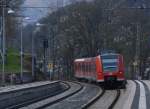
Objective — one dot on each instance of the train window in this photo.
(109, 62)
(90, 67)
(79, 67)
(76, 67)
(86, 67)
(93, 67)
(109, 56)
(82, 66)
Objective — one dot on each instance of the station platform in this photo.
(10, 96)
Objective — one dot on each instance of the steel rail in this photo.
(38, 99)
(99, 96)
(115, 100)
(63, 98)
(93, 100)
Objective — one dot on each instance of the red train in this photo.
(104, 68)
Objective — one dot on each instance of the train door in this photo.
(99, 69)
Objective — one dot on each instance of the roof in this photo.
(109, 54)
(84, 59)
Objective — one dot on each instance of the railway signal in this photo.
(45, 43)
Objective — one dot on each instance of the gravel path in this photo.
(105, 101)
(77, 100)
(127, 96)
(147, 82)
(147, 89)
(23, 86)
(125, 99)
(73, 88)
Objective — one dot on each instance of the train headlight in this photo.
(120, 72)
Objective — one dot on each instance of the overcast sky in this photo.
(37, 13)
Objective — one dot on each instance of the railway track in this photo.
(99, 95)
(115, 100)
(71, 102)
(74, 87)
(64, 97)
(103, 98)
(75, 98)
(39, 99)
(76, 101)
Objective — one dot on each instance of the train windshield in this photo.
(110, 63)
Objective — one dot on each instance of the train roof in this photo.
(84, 59)
(109, 54)
(92, 58)
(107, 51)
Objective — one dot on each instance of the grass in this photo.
(13, 61)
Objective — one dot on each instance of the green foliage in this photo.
(13, 61)
(84, 29)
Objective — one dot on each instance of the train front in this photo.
(112, 68)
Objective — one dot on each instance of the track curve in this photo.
(38, 99)
(106, 101)
(78, 100)
(115, 100)
(74, 88)
(58, 100)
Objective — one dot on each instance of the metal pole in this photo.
(49, 51)
(44, 59)
(21, 51)
(53, 44)
(33, 56)
(139, 43)
(3, 69)
(1, 26)
(137, 56)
